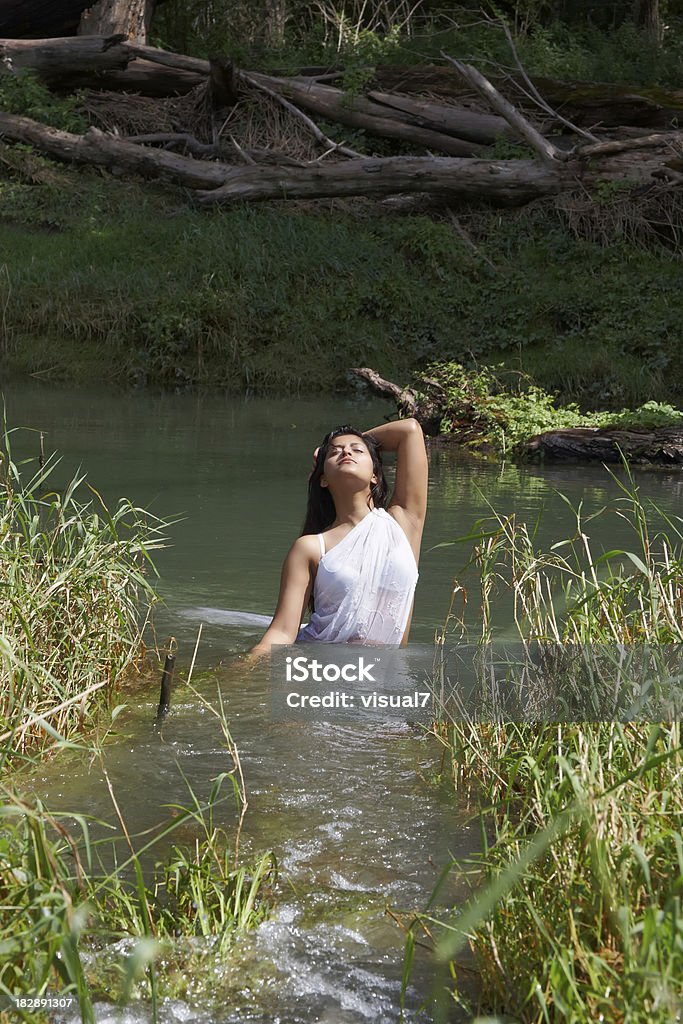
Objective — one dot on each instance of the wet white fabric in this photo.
(364, 586)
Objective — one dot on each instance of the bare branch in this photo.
(548, 153)
(534, 94)
(621, 145)
(311, 125)
(462, 234)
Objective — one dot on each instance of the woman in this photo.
(355, 564)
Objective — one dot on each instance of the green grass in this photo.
(106, 279)
(576, 909)
(73, 604)
(69, 926)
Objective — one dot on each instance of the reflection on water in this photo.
(353, 814)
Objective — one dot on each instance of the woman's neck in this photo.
(352, 508)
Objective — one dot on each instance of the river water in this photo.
(358, 816)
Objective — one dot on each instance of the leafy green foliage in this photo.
(173, 930)
(23, 94)
(494, 408)
(561, 41)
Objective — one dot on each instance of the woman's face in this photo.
(348, 459)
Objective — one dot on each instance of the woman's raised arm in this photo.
(405, 437)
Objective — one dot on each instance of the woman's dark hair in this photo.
(320, 512)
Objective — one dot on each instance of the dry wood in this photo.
(165, 58)
(621, 146)
(404, 397)
(146, 77)
(457, 121)
(101, 149)
(548, 153)
(427, 411)
(507, 182)
(54, 60)
(663, 446)
(311, 125)
(359, 112)
(131, 18)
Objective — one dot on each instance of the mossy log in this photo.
(661, 446)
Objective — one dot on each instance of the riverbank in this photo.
(101, 279)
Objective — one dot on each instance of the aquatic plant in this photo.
(575, 913)
(72, 602)
(163, 934)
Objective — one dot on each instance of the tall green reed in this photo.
(93, 917)
(72, 585)
(577, 910)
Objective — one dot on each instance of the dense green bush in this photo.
(24, 95)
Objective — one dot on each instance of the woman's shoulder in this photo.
(307, 546)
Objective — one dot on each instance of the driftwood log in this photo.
(662, 446)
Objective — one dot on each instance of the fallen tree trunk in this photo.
(54, 60)
(504, 182)
(507, 182)
(660, 446)
(663, 446)
(465, 124)
(359, 112)
(104, 150)
(585, 103)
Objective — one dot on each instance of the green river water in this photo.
(355, 814)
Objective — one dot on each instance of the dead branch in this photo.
(404, 397)
(177, 61)
(548, 153)
(622, 146)
(359, 112)
(464, 124)
(311, 125)
(533, 92)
